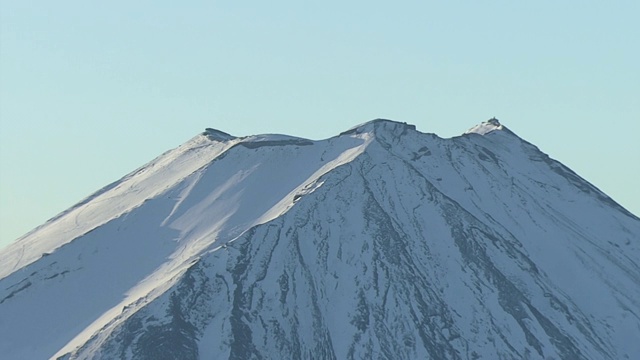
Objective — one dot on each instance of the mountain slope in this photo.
(382, 242)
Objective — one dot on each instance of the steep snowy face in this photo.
(132, 239)
(382, 242)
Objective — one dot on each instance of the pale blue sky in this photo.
(91, 90)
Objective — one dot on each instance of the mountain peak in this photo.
(375, 125)
(241, 247)
(486, 127)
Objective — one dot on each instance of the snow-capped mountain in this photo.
(380, 243)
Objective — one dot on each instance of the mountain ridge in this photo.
(392, 239)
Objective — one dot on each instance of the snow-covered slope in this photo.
(382, 242)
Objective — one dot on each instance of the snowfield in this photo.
(380, 243)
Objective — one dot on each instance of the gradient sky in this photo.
(91, 90)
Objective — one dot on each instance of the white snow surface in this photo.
(485, 127)
(380, 242)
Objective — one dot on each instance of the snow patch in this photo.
(486, 127)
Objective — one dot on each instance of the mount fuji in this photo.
(379, 243)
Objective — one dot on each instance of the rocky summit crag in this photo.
(380, 243)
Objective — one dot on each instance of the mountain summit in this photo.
(379, 243)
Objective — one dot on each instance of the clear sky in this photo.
(90, 90)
